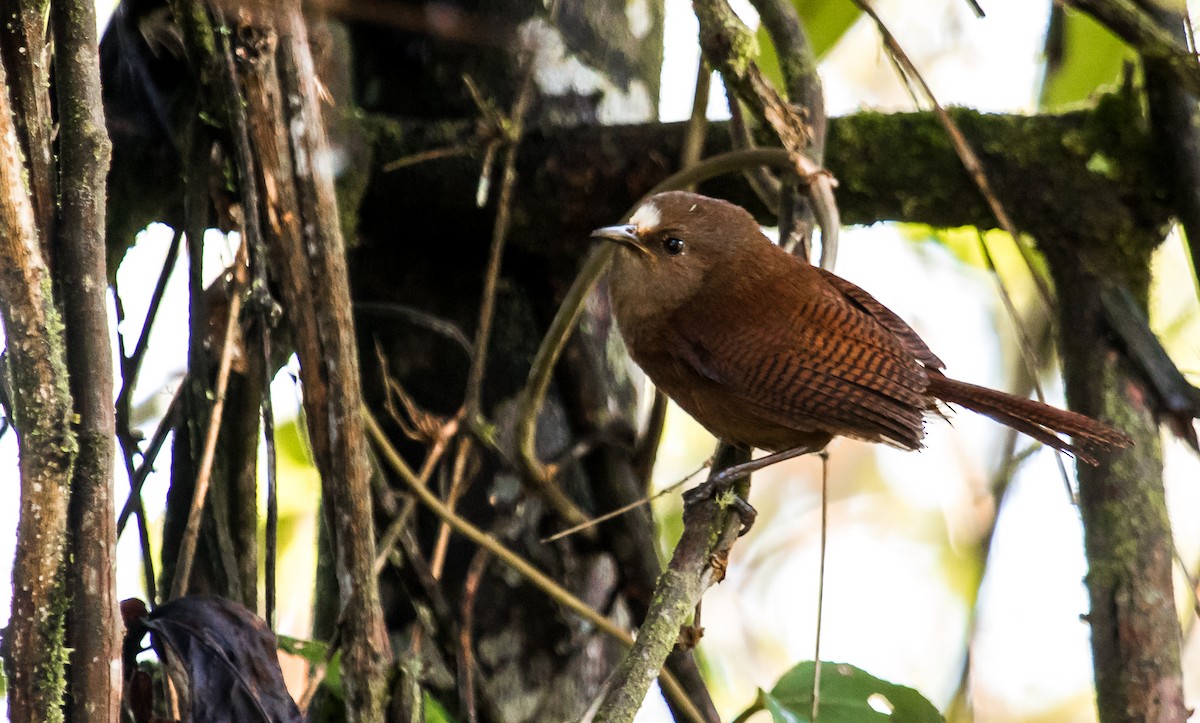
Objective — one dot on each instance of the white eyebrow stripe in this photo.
(646, 218)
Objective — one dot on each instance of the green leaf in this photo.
(780, 714)
(314, 651)
(848, 695)
(435, 712)
(825, 22)
(1092, 60)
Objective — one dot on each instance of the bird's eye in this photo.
(673, 246)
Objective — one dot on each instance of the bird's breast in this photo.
(666, 358)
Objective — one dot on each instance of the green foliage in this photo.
(964, 244)
(329, 704)
(825, 22)
(848, 695)
(1092, 60)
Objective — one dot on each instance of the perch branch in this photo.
(698, 561)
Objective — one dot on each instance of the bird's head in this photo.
(673, 241)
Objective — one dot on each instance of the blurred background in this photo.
(928, 565)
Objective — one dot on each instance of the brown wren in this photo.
(766, 350)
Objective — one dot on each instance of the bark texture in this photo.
(1127, 536)
(93, 628)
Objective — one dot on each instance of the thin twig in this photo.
(624, 508)
(434, 615)
(438, 559)
(816, 690)
(693, 138)
(131, 366)
(466, 655)
(441, 441)
(479, 537)
(764, 184)
(1028, 354)
(1174, 126)
(645, 451)
(430, 155)
(138, 477)
(1000, 486)
(798, 64)
(508, 181)
(187, 547)
(418, 317)
(1192, 586)
(268, 431)
(133, 503)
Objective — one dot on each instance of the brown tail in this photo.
(1042, 422)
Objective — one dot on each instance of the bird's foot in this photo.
(719, 487)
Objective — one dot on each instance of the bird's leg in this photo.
(723, 481)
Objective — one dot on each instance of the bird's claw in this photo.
(719, 486)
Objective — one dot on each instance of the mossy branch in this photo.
(34, 649)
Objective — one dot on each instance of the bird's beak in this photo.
(625, 235)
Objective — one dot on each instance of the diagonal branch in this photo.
(799, 66)
(709, 530)
(1139, 28)
(728, 45)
